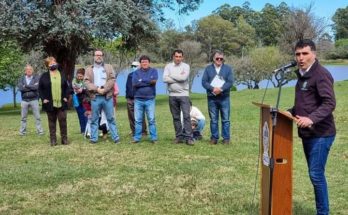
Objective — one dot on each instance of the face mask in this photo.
(134, 68)
(53, 67)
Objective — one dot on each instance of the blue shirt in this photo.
(99, 75)
(142, 86)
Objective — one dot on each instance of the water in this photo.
(339, 73)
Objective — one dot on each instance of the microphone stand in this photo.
(279, 76)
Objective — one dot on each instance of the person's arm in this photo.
(183, 75)
(228, 80)
(154, 77)
(111, 79)
(90, 86)
(166, 76)
(327, 96)
(205, 80)
(139, 81)
(21, 85)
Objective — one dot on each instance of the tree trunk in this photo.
(14, 93)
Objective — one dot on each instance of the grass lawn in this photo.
(105, 178)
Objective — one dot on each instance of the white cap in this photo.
(135, 63)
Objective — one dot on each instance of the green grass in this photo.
(82, 178)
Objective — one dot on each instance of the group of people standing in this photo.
(314, 104)
(94, 93)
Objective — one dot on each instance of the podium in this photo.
(276, 161)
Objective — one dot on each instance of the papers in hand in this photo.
(217, 81)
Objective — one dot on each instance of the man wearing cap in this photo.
(130, 100)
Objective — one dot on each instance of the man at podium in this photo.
(314, 104)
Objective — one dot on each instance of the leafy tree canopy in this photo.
(340, 19)
(65, 28)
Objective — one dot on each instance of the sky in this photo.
(321, 8)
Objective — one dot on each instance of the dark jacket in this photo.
(315, 98)
(45, 91)
(225, 73)
(129, 86)
(29, 91)
(142, 86)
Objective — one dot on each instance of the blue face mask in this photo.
(134, 68)
(53, 67)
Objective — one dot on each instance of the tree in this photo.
(65, 29)
(340, 18)
(258, 65)
(193, 56)
(10, 67)
(301, 24)
(216, 33)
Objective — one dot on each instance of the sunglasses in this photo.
(133, 66)
(219, 59)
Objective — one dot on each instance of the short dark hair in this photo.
(144, 57)
(80, 71)
(305, 42)
(179, 51)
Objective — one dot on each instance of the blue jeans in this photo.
(147, 106)
(200, 125)
(219, 105)
(97, 104)
(82, 118)
(316, 151)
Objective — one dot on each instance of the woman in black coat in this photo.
(54, 93)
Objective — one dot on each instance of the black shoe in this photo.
(213, 141)
(154, 141)
(226, 142)
(134, 142)
(178, 141)
(117, 141)
(190, 142)
(92, 142)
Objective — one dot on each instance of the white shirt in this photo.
(217, 69)
(302, 72)
(28, 79)
(195, 113)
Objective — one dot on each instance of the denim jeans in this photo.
(25, 105)
(219, 105)
(316, 151)
(97, 104)
(200, 125)
(147, 106)
(178, 105)
(82, 118)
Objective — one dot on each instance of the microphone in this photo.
(287, 66)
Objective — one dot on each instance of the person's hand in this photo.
(153, 82)
(78, 90)
(217, 90)
(64, 99)
(87, 113)
(303, 122)
(100, 91)
(45, 101)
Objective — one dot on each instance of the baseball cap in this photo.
(135, 64)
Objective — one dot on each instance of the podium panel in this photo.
(276, 162)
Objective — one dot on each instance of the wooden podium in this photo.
(276, 161)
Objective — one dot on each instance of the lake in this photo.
(339, 73)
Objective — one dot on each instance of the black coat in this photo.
(45, 91)
(315, 98)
